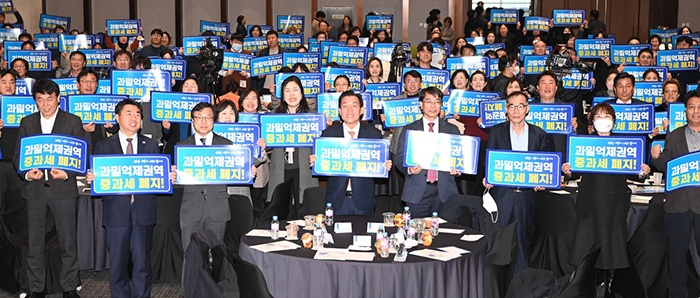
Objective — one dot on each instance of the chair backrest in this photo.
(501, 252)
(279, 206)
(582, 282)
(314, 201)
(251, 281)
(241, 222)
(205, 278)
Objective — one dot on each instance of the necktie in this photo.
(352, 136)
(432, 174)
(204, 141)
(130, 150)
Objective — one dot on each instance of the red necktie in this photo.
(432, 174)
(352, 136)
(130, 150)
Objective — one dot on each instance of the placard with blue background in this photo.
(123, 28)
(11, 34)
(98, 57)
(241, 134)
(286, 21)
(466, 103)
(431, 77)
(68, 86)
(537, 24)
(664, 34)
(659, 118)
(51, 21)
(469, 64)
(192, 44)
(638, 72)
(593, 48)
(38, 60)
(226, 165)
(535, 65)
(383, 51)
(326, 47)
(327, 104)
(626, 53)
(72, 43)
(523, 168)
(290, 41)
(120, 174)
(11, 46)
(175, 107)
(577, 80)
(6, 6)
(50, 40)
(94, 108)
(568, 17)
(354, 74)
(176, 67)
(266, 65)
(441, 151)
(609, 155)
(253, 118)
(683, 171)
(552, 118)
(24, 86)
(685, 59)
(312, 82)
(651, 92)
(219, 29)
(291, 130)
(311, 60)
(351, 157)
(254, 44)
(492, 112)
(504, 16)
(379, 22)
(14, 108)
(138, 84)
(676, 116)
(382, 92)
(104, 87)
(53, 151)
(399, 112)
(633, 119)
(493, 68)
(347, 56)
(236, 61)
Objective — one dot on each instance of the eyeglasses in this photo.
(432, 102)
(519, 107)
(203, 118)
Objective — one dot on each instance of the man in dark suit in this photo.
(515, 203)
(8, 138)
(623, 85)
(351, 195)
(262, 83)
(55, 191)
(128, 219)
(682, 205)
(425, 190)
(204, 206)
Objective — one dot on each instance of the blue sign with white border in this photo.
(441, 151)
(94, 108)
(226, 165)
(351, 157)
(608, 155)
(175, 107)
(53, 151)
(523, 168)
(132, 174)
(291, 130)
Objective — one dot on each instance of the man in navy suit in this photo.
(128, 219)
(351, 195)
(515, 203)
(425, 190)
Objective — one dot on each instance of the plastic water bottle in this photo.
(406, 216)
(329, 214)
(435, 224)
(275, 227)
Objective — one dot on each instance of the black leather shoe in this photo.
(71, 294)
(36, 295)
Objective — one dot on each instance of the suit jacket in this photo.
(680, 200)
(362, 187)
(66, 124)
(116, 209)
(197, 197)
(634, 101)
(414, 186)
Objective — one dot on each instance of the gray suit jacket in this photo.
(196, 198)
(680, 200)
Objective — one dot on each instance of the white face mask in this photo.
(516, 70)
(603, 125)
(237, 47)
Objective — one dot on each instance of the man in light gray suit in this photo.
(204, 206)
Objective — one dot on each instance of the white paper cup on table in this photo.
(657, 178)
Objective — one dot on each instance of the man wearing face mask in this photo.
(241, 77)
(509, 67)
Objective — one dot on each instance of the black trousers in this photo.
(678, 229)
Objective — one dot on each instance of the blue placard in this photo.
(651, 92)
(99, 38)
(291, 130)
(175, 107)
(382, 92)
(14, 108)
(104, 87)
(327, 104)
(24, 86)
(504, 16)
(535, 65)
(98, 57)
(441, 151)
(482, 49)
(608, 155)
(537, 24)
(599, 99)
(192, 44)
(286, 21)
(50, 40)
(263, 29)
(626, 53)
(11, 46)
(593, 48)
(347, 56)
(383, 51)
(10, 33)
(466, 103)
(493, 68)
(379, 23)
(431, 77)
(523, 168)
(226, 165)
(52, 151)
(50, 22)
(530, 50)
(245, 135)
(355, 75)
(690, 87)
(685, 59)
(470, 64)
(683, 171)
(68, 86)
(94, 108)
(266, 65)
(659, 118)
(132, 174)
(664, 34)
(552, 118)
(399, 112)
(638, 72)
(6, 6)
(253, 118)
(138, 84)
(72, 43)
(326, 46)
(123, 28)
(568, 18)
(315, 47)
(633, 119)
(176, 67)
(661, 143)
(38, 60)
(694, 36)
(312, 82)
(351, 157)
(237, 61)
(492, 112)
(254, 44)
(290, 41)
(577, 80)
(219, 29)
(676, 116)
(311, 60)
